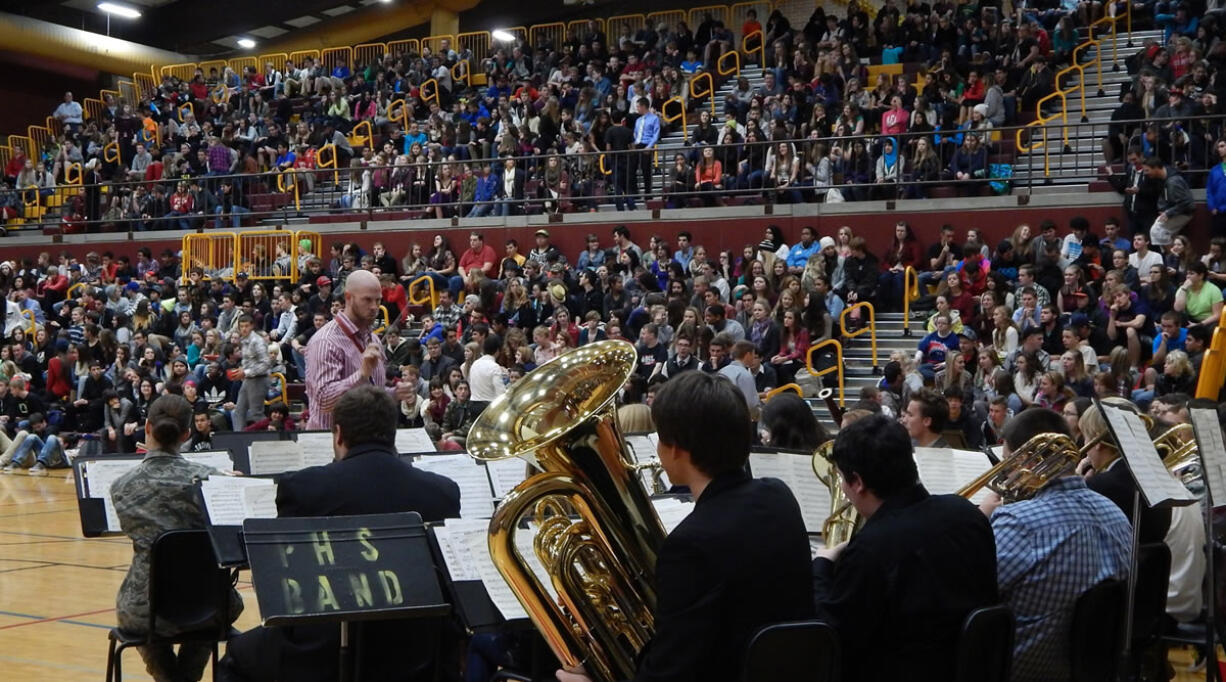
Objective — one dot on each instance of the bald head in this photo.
(362, 297)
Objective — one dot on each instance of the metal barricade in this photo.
(316, 247)
(369, 53)
(397, 48)
(722, 68)
(267, 255)
(332, 57)
(548, 34)
(212, 252)
(286, 183)
(624, 23)
(184, 72)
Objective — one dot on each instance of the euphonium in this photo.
(844, 520)
(597, 533)
(1180, 453)
(1023, 473)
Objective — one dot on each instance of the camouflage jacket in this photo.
(157, 496)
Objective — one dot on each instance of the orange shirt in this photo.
(713, 173)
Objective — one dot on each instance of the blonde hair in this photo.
(1093, 424)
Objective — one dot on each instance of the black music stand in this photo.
(1213, 474)
(92, 510)
(476, 611)
(343, 569)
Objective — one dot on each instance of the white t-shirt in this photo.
(486, 379)
(1143, 265)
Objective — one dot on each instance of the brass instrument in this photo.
(598, 534)
(832, 404)
(844, 520)
(1180, 454)
(1023, 473)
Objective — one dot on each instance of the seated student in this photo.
(39, 450)
(366, 478)
(1065, 530)
(900, 589)
(925, 417)
(278, 419)
(710, 605)
(157, 496)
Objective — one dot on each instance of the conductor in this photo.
(345, 352)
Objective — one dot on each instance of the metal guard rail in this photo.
(910, 292)
(871, 327)
(431, 296)
(837, 367)
(284, 389)
(794, 388)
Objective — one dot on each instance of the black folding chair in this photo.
(985, 649)
(1149, 608)
(188, 590)
(802, 650)
(1096, 638)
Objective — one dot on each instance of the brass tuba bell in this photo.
(1181, 454)
(597, 534)
(844, 520)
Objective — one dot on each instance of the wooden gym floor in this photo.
(57, 589)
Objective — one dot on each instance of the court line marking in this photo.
(63, 619)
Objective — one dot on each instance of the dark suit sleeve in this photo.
(291, 498)
(849, 594)
(688, 616)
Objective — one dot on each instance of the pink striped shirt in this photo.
(334, 365)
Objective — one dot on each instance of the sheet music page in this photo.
(500, 593)
(505, 474)
(642, 447)
(260, 501)
(1212, 452)
(476, 497)
(275, 457)
(99, 475)
(223, 498)
(999, 451)
(413, 440)
(1156, 483)
(797, 472)
(524, 539)
(453, 541)
(672, 512)
(944, 471)
(218, 459)
(316, 449)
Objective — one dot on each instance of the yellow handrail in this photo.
(383, 315)
(293, 181)
(359, 139)
(110, 153)
(29, 314)
(399, 111)
(795, 388)
(709, 91)
(431, 295)
(284, 389)
(838, 363)
(600, 163)
(1098, 60)
(871, 327)
(188, 107)
(909, 275)
(70, 178)
(1042, 121)
(330, 162)
(685, 132)
(38, 198)
(464, 74)
(433, 95)
(1115, 22)
(73, 289)
(760, 49)
(736, 68)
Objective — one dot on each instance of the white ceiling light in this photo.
(246, 43)
(502, 36)
(119, 10)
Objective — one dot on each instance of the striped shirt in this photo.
(334, 365)
(1049, 550)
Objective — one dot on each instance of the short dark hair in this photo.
(933, 406)
(1153, 162)
(706, 416)
(791, 423)
(366, 414)
(1200, 333)
(492, 344)
(878, 450)
(1032, 422)
(717, 310)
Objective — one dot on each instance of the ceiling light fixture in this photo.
(246, 43)
(119, 10)
(502, 36)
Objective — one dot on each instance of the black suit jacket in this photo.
(370, 480)
(903, 585)
(740, 561)
(1116, 484)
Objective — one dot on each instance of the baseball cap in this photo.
(322, 281)
(541, 233)
(241, 275)
(969, 334)
(132, 286)
(1079, 320)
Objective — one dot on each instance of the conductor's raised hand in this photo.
(370, 359)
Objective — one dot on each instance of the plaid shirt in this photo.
(448, 317)
(1049, 550)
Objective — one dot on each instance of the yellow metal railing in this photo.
(668, 119)
(760, 49)
(260, 252)
(398, 111)
(710, 91)
(110, 153)
(461, 72)
(293, 186)
(870, 328)
(329, 162)
(734, 70)
(836, 368)
(910, 292)
(212, 252)
(794, 388)
(1040, 123)
(30, 329)
(362, 135)
(284, 389)
(429, 96)
(1213, 367)
(1115, 23)
(423, 283)
(73, 174)
(384, 321)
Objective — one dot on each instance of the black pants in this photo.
(643, 161)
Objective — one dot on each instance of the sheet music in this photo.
(260, 501)
(797, 472)
(505, 474)
(672, 512)
(218, 459)
(224, 498)
(944, 471)
(476, 497)
(413, 440)
(99, 475)
(453, 542)
(1156, 483)
(275, 457)
(643, 447)
(1212, 453)
(500, 593)
(316, 448)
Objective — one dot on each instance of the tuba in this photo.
(597, 535)
(1023, 473)
(844, 520)
(1180, 454)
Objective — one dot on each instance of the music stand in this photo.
(1213, 473)
(343, 569)
(92, 509)
(1154, 482)
(238, 442)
